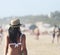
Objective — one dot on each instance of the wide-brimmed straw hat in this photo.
(15, 23)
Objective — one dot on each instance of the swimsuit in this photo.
(15, 44)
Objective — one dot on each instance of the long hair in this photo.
(14, 33)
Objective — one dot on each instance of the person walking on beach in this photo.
(37, 33)
(54, 33)
(58, 35)
(15, 41)
(53, 36)
(1, 34)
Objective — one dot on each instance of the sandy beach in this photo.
(43, 46)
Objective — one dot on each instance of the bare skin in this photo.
(12, 50)
(37, 33)
(54, 33)
(58, 36)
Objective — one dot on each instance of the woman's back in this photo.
(14, 44)
(14, 48)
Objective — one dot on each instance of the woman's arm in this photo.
(6, 46)
(24, 49)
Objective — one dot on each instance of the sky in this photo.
(27, 7)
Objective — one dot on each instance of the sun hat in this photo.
(15, 23)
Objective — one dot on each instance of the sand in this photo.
(43, 46)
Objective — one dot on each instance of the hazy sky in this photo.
(27, 7)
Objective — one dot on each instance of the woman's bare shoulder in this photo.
(23, 36)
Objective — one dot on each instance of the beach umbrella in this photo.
(32, 27)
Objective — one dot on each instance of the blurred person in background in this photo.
(54, 33)
(58, 34)
(37, 33)
(1, 33)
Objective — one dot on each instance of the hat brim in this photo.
(18, 25)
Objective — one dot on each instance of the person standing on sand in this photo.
(58, 35)
(1, 34)
(54, 33)
(37, 33)
(15, 41)
(53, 36)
